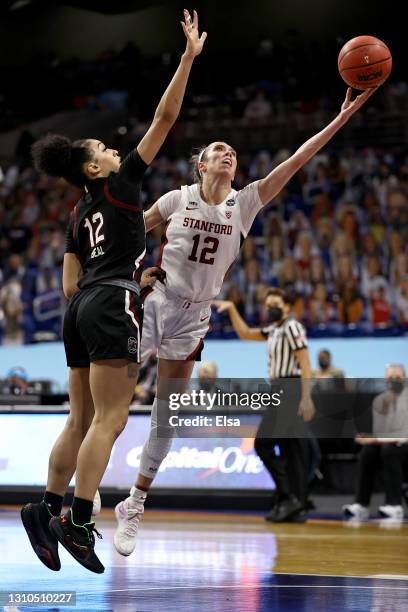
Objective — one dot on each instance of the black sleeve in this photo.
(71, 245)
(123, 189)
(132, 168)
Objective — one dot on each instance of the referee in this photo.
(290, 372)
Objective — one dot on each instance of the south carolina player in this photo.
(205, 225)
(103, 321)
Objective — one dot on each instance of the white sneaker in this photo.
(394, 512)
(128, 513)
(96, 508)
(356, 511)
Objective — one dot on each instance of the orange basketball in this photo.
(364, 61)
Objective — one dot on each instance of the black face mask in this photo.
(324, 364)
(396, 386)
(275, 314)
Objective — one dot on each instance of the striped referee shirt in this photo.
(284, 340)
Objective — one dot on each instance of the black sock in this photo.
(54, 502)
(81, 511)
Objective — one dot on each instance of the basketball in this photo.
(364, 61)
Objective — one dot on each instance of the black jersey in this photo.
(106, 229)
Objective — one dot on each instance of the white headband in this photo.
(200, 157)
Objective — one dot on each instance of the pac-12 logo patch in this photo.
(230, 202)
(228, 214)
(132, 345)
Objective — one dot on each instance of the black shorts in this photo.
(102, 323)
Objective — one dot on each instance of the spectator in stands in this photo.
(395, 244)
(318, 273)
(369, 247)
(258, 110)
(16, 382)
(11, 312)
(14, 268)
(398, 269)
(372, 279)
(274, 254)
(320, 309)
(385, 448)
(344, 273)
(348, 222)
(350, 307)
(303, 252)
(402, 302)
(289, 275)
(341, 246)
(326, 369)
(324, 239)
(380, 309)
(397, 216)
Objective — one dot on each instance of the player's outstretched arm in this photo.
(243, 331)
(170, 104)
(272, 184)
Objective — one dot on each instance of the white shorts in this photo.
(173, 328)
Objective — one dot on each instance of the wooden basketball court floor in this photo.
(219, 562)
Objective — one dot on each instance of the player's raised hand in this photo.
(349, 106)
(195, 42)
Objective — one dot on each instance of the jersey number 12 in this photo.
(208, 250)
(96, 237)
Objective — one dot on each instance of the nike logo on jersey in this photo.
(204, 318)
(96, 252)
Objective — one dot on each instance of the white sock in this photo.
(137, 497)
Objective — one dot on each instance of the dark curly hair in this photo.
(57, 155)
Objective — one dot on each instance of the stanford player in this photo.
(205, 225)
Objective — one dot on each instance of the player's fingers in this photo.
(349, 94)
(195, 19)
(203, 37)
(183, 25)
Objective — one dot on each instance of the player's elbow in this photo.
(165, 118)
(69, 290)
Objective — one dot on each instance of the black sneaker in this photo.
(36, 518)
(78, 540)
(286, 509)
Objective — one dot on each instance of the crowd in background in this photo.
(336, 238)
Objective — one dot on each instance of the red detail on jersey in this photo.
(118, 203)
(196, 351)
(228, 214)
(145, 292)
(75, 221)
(164, 241)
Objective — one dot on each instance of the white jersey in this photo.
(200, 242)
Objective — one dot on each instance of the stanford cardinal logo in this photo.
(228, 214)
